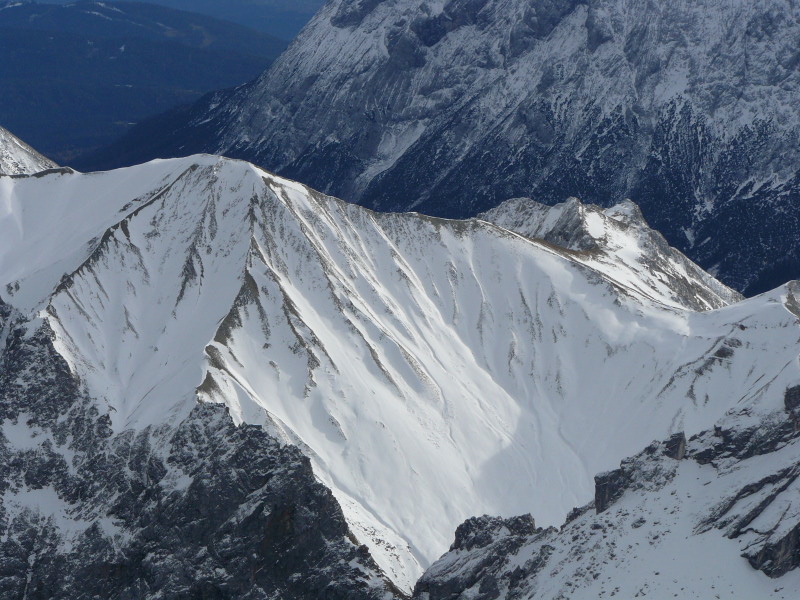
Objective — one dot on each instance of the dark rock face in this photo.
(608, 487)
(199, 510)
(776, 551)
(778, 558)
(611, 485)
(791, 398)
(675, 447)
(479, 532)
(743, 442)
(494, 539)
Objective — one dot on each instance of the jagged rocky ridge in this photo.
(618, 242)
(452, 106)
(715, 516)
(17, 158)
(371, 342)
(194, 509)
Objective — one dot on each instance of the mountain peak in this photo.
(17, 158)
(379, 340)
(450, 107)
(618, 242)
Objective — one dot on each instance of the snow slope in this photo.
(431, 369)
(716, 518)
(17, 158)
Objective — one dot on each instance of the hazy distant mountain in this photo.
(281, 18)
(77, 76)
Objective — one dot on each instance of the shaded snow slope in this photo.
(716, 516)
(431, 369)
(17, 158)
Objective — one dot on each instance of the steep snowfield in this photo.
(431, 369)
(17, 158)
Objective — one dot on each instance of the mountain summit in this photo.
(451, 107)
(17, 158)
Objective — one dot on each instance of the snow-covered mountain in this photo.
(617, 242)
(177, 503)
(17, 158)
(429, 369)
(453, 106)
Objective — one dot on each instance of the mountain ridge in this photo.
(17, 158)
(618, 235)
(457, 107)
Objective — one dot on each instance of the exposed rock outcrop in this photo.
(674, 519)
(203, 509)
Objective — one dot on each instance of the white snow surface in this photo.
(17, 158)
(431, 369)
